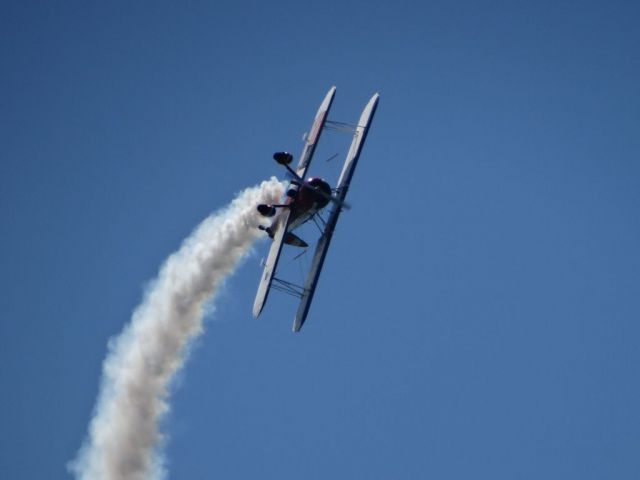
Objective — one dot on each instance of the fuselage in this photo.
(312, 196)
(304, 201)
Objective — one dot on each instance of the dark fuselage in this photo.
(312, 196)
(303, 201)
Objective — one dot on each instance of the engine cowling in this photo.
(266, 210)
(321, 190)
(283, 158)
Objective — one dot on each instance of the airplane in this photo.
(304, 199)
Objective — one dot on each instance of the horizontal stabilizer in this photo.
(292, 239)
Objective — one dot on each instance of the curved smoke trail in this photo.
(123, 435)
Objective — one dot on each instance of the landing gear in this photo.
(266, 210)
(292, 193)
(266, 229)
(283, 158)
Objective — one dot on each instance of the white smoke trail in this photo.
(123, 435)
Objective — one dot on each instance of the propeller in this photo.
(331, 198)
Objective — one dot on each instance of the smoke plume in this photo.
(124, 437)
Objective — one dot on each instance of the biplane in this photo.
(303, 201)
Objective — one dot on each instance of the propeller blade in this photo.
(333, 199)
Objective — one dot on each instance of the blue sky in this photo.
(478, 313)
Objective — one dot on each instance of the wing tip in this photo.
(257, 310)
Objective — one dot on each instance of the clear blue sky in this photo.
(478, 313)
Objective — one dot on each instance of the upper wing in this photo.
(272, 261)
(314, 134)
(360, 135)
(362, 129)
